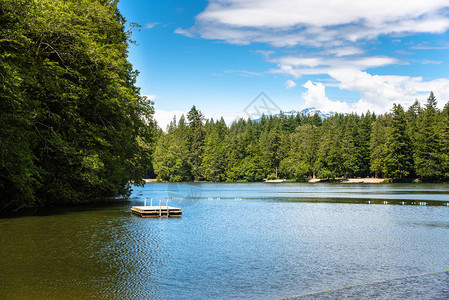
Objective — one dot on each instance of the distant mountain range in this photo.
(309, 111)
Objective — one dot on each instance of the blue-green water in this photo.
(242, 241)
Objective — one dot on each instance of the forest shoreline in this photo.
(366, 180)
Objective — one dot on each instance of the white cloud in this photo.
(332, 31)
(378, 92)
(431, 62)
(345, 51)
(290, 84)
(357, 62)
(430, 47)
(315, 96)
(151, 25)
(164, 117)
(151, 96)
(243, 73)
(183, 32)
(299, 66)
(265, 53)
(316, 22)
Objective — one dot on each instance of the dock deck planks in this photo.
(156, 211)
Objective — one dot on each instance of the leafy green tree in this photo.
(69, 100)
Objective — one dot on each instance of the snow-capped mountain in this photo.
(310, 111)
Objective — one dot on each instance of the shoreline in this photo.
(313, 180)
(351, 180)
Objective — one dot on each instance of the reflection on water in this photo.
(256, 241)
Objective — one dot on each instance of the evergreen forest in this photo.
(402, 144)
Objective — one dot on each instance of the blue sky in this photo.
(340, 55)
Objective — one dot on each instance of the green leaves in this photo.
(68, 92)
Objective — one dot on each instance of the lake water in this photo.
(236, 241)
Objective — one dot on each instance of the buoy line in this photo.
(363, 284)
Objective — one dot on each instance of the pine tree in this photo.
(329, 159)
(443, 139)
(171, 162)
(301, 159)
(235, 149)
(348, 145)
(363, 142)
(411, 117)
(349, 151)
(214, 159)
(269, 146)
(398, 162)
(196, 142)
(378, 145)
(426, 153)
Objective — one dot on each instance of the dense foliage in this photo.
(399, 144)
(73, 126)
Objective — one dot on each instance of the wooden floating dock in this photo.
(156, 211)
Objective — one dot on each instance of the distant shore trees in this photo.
(400, 144)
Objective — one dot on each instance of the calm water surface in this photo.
(242, 241)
